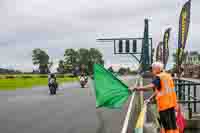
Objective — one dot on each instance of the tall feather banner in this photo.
(166, 46)
(184, 22)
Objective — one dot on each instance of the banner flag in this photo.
(159, 52)
(166, 46)
(184, 22)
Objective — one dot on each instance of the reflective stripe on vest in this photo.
(167, 89)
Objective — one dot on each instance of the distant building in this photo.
(192, 58)
(191, 64)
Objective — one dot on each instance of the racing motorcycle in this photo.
(83, 81)
(53, 86)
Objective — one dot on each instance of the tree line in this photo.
(74, 61)
(9, 71)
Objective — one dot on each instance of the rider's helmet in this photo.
(52, 75)
(82, 74)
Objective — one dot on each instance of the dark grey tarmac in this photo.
(71, 111)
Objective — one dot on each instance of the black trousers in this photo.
(168, 119)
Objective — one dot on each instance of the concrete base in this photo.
(193, 124)
(150, 128)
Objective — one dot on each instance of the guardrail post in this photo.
(190, 113)
(189, 109)
(179, 89)
(183, 92)
(194, 94)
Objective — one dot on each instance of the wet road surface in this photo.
(71, 111)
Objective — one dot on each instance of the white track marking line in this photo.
(125, 126)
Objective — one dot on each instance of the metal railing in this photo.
(187, 94)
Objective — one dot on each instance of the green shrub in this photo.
(60, 76)
(10, 77)
(26, 76)
(43, 76)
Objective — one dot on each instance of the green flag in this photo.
(110, 91)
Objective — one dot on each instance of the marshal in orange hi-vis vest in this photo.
(166, 96)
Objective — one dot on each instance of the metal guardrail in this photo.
(142, 111)
(186, 92)
(129, 114)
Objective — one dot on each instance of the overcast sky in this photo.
(54, 25)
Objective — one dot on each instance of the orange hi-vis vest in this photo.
(166, 96)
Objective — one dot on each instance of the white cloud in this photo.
(56, 25)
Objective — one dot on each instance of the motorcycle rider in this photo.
(83, 77)
(52, 80)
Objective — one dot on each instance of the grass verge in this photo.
(19, 83)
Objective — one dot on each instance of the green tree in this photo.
(70, 59)
(61, 67)
(83, 58)
(89, 57)
(128, 70)
(194, 53)
(110, 69)
(122, 71)
(95, 56)
(41, 58)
